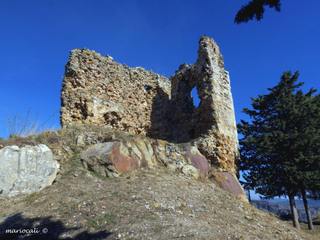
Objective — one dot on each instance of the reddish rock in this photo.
(122, 163)
(229, 183)
(198, 160)
(201, 163)
(114, 158)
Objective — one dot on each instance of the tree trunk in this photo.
(306, 207)
(249, 195)
(294, 212)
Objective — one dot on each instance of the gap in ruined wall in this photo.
(195, 97)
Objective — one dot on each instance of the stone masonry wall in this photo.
(99, 91)
(212, 125)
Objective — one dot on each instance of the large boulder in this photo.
(115, 158)
(26, 170)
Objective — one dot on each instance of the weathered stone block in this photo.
(26, 170)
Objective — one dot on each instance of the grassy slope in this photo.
(148, 204)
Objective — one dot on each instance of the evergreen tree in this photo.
(255, 9)
(280, 146)
(308, 162)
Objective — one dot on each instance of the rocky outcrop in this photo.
(26, 170)
(112, 159)
(97, 90)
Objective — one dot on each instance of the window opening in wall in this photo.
(195, 97)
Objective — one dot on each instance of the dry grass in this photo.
(149, 204)
(24, 125)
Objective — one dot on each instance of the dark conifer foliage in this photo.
(280, 146)
(255, 10)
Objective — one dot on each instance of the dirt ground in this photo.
(315, 232)
(147, 204)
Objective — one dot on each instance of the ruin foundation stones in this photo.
(99, 91)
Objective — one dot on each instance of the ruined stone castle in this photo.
(97, 90)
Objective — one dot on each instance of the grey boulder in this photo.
(26, 170)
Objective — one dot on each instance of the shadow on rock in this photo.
(19, 227)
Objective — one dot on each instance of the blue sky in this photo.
(36, 37)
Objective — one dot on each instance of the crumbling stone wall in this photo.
(212, 125)
(97, 90)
